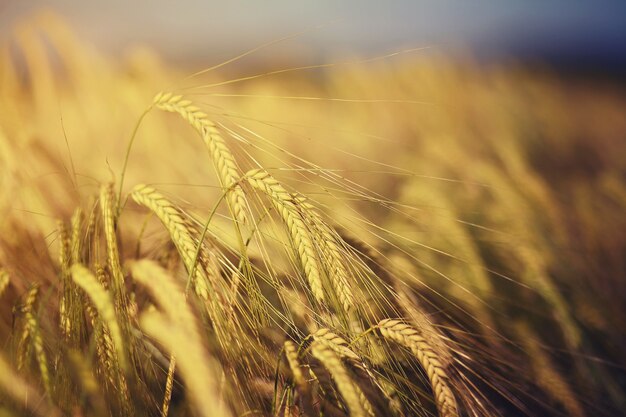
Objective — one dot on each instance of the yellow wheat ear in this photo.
(304, 244)
(177, 330)
(4, 281)
(358, 405)
(103, 302)
(407, 336)
(223, 158)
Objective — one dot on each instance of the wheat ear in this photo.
(31, 331)
(283, 201)
(169, 384)
(174, 221)
(108, 208)
(327, 241)
(101, 299)
(291, 353)
(548, 377)
(4, 281)
(410, 338)
(335, 342)
(178, 332)
(355, 400)
(223, 158)
(17, 388)
(75, 244)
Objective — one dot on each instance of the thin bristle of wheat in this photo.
(407, 336)
(283, 201)
(101, 299)
(223, 158)
(353, 396)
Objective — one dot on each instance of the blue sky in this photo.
(587, 32)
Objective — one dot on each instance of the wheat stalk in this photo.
(410, 338)
(223, 158)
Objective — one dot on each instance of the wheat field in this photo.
(408, 236)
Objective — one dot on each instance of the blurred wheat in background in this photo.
(409, 235)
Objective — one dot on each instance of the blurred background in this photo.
(575, 36)
(485, 138)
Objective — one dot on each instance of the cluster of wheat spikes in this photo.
(491, 286)
(207, 339)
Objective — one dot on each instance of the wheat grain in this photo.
(23, 347)
(408, 337)
(417, 317)
(223, 158)
(64, 262)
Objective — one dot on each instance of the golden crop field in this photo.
(413, 235)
